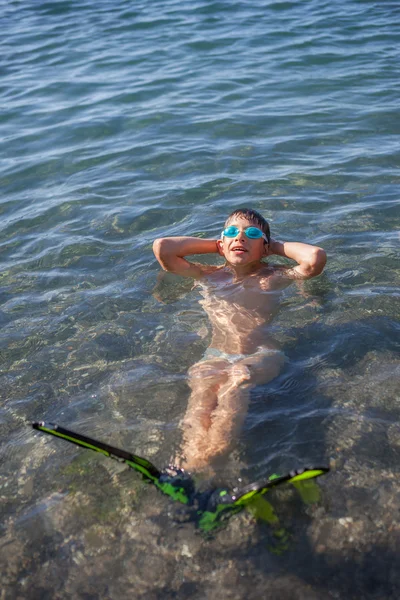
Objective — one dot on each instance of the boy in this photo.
(240, 298)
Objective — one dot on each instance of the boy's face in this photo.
(241, 250)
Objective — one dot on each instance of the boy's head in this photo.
(245, 238)
(250, 215)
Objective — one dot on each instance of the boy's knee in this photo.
(240, 374)
(207, 370)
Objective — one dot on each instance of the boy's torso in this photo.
(241, 309)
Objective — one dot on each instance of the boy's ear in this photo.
(266, 249)
(220, 247)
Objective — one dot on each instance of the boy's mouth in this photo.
(238, 249)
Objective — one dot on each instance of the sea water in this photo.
(125, 121)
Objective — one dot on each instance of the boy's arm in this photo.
(311, 259)
(170, 253)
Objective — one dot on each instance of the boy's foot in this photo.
(177, 483)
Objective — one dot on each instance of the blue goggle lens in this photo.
(251, 232)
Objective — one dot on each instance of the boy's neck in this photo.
(242, 271)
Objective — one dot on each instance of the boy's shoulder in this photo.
(204, 270)
(285, 273)
(275, 277)
(265, 274)
(268, 277)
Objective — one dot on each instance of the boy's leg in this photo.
(219, 402)
(231, 411)
(264, 365)
(233, 397)
(205, 379)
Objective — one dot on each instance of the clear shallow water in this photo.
(123, 122)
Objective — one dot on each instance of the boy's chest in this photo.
(252, 294)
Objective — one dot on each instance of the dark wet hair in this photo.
(251, 215)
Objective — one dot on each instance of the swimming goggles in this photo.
(252, 233)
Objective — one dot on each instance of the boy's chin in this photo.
(241, 260)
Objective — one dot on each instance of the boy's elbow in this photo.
(318, 261)
(157, 245)
(314, 265)
(160, 249)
